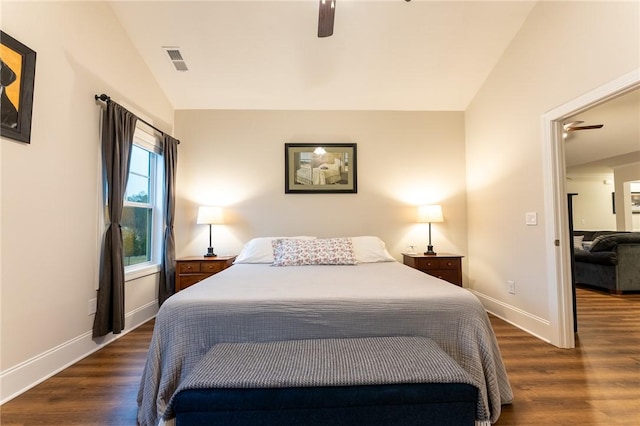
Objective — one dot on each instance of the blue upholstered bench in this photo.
(368, 381)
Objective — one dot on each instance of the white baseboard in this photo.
(536, 326)
(22, 377)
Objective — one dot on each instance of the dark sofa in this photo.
(607, 260)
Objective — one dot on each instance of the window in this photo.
(142, 213)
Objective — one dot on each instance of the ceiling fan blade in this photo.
(325, 17)
(594, 126)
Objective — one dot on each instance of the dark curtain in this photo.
(168, 270)
(118, 126)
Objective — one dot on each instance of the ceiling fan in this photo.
(326, 14)
(325, 17)
(574, 125)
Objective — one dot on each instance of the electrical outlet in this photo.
(511, 287)
(93, 306)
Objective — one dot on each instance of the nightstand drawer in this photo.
(450, 275)
(188, 267)
(435, 263)
(188, 280)
(212, 267)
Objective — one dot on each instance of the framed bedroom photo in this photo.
(635, 202)
(320, 168)
(17, 73)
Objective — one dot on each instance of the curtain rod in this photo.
(107, 99)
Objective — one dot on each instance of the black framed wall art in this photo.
(320, 168)
(17, 77)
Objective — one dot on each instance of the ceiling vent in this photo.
(176, 58)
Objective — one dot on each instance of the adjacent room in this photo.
(418, 139)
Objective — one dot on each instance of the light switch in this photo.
(531, 218)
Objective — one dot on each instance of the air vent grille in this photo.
(176, 58)
(180, 66)
(175, 55)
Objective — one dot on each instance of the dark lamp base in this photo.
(430, 251)
(210, 253)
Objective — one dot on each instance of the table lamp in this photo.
(210, 216)
(429, 214)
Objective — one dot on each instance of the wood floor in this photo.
(598, 383)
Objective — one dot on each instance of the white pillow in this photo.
(577, 242)
(321, 251)
(370, 250)
(260, 250)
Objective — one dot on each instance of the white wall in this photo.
(593, 206)
(49, 187)
(236, 159)
(563, 50)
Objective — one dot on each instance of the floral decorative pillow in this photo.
(260, 250)
(321, 251)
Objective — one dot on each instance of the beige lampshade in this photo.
(210, 215)
(430, 214)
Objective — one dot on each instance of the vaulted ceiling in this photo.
(384, 55)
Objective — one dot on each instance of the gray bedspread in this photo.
(261, 303)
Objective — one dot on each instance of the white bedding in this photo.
(322, 175)
(258, 302)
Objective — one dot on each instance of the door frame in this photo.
(560, 294)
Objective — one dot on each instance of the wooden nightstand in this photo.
(190, 270)
(442, 265)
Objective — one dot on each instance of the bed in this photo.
(339, 288)
(324, 174)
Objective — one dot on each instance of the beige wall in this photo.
(49, 188)
(593, 206)
(236, 159)
(563, 50)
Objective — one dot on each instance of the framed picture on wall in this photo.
(635, 202)
(17, 76)
(320, 168)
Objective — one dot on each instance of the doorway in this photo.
(560, 292)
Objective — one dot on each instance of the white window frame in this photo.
(151, 143)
